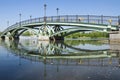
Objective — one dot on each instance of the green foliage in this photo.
(90, 34)
(0, 33)
(78, 42)
(26, 33)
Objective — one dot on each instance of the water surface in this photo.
(30, 59)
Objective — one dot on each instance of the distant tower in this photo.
(119, 22)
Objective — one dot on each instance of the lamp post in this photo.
(30, 18)
(45, 18)
(30, 22)
(57, 11)
(119, 22)
(45, 12)
(20, 19)
(7, 23)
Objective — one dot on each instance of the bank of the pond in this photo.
(89, 35)
(115, 41)
(86, 38)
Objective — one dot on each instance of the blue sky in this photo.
(10, 9)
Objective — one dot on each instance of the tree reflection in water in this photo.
(65, 53)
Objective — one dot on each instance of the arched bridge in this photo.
(52, 27)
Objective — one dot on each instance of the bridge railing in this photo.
(112, 20)
(91, 19)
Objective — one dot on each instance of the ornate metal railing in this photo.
(88, 19)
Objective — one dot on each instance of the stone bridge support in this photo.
(6, 37)
(56, 38)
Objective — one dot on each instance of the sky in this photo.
(10, 9)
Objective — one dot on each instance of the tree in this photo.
(90, 34)
(0, 33)
(26, 33)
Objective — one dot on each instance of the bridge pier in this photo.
(43, 38)
(2, 37)
(15, 38)
(55, 38)
(114, 36)
(47, 38)
(6, 38)
(9, 38)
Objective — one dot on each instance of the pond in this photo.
(30, 59)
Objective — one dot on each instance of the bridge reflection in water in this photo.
(70, 58)
(65, 53)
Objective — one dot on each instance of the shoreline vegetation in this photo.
(79, 35)
(101, 36)
(91, 35)
(82, 36)
(0, 32)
